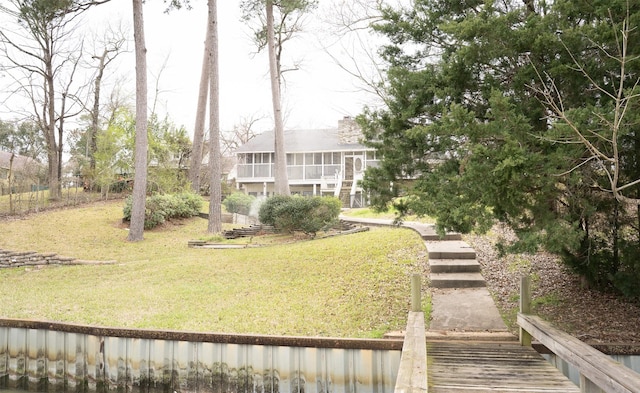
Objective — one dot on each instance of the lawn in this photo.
(354, 285)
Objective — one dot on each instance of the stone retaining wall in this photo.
(10, 258)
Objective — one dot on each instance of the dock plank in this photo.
(455, 367)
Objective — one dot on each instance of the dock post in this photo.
(416, 301)
(525, 308)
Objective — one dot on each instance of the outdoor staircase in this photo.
(345, 193)
(453, 264)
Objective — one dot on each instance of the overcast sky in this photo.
(317, 96)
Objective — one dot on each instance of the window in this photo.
(331, 158)
(313, 159)
(294, 159)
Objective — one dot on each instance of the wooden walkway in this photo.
(464, 366)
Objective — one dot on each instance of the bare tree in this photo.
(241, 133)
(113, 46)
(201, 111)
(36, 49)
(349, 41)
(215, 159)
(136, 228)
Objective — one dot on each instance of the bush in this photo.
(239, 203)
(271, 207)
(159, 208)
(308, 215)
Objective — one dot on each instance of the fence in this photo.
(37, 199)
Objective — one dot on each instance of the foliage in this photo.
(169, 149)
(296, 213)
(288, 14)
(23, 138)
(468, 135)
(239, 203)
(162, 207)
(269, 208)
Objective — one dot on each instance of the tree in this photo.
(201, 111)
(281, 180)
(36, 49)
(350, 44)
(241, 133)
(215, 159)
(273, 34)
(23, 138)
(612, 119)
(113, 46)
(136, 228)
(466, 136)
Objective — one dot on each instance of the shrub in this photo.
(159, 208)
(308, 215)
(269, 209)
(239, 203)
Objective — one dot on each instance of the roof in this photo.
(19, 162)
(300, 141)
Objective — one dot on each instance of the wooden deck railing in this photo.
(412, 372)
(598, 372)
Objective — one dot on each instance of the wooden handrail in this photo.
(600, 369)
(412, 373)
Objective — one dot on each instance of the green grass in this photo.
(387, 215)
(347, 286)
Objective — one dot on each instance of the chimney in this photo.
(348, 131)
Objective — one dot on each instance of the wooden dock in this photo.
(465, 366)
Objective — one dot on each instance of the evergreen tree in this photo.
(468, 135)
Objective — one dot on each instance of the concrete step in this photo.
(455, 249)
(447, 237)
(457, 280)
(499, 336)
(454, 266)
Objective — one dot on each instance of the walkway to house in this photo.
(462, 307)
(468, 346)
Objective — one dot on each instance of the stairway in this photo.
(453, 264)
(345, 193)
(462, 307)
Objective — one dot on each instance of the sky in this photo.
(316, 96)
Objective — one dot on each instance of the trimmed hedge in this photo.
(159, 208)
(296, 213)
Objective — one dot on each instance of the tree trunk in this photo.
(215, 208)
(10, 182)
(50, 125)
(95, 114)
(201, 111)
(281, 179)
(136, 227)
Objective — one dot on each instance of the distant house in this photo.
(23, 171)
(319, 162)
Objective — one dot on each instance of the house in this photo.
(18, 172)
(319, 162)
